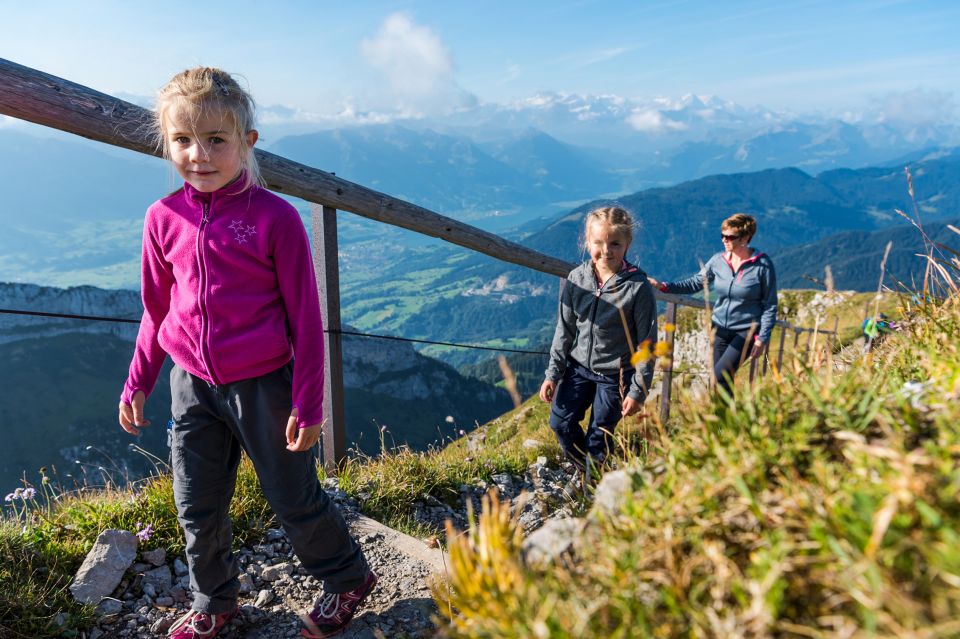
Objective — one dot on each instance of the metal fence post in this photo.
(666, 384)
(325, 265)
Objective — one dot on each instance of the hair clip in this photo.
(221, 86)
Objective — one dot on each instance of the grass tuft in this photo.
(816, 506)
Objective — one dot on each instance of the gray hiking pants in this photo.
(212, 425)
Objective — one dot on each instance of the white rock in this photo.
(264, 597)
(613, 490)
(272, 573)
(553, 540)
(103, 567)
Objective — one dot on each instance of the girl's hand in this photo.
(131, 415)
(547, 389)
(301, 439)
(758, 348)
(654, 283)
(630, 407)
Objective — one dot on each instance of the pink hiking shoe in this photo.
(333, 611)
(200, 625)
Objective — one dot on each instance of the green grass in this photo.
(397, 479)
(821, 504)
(38, 561)
(43, 544)
(761, 519)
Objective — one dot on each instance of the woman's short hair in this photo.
(741, 224)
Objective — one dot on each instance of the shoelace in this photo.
(193, 617)
(329, 605)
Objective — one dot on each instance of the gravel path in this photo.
(274, 589)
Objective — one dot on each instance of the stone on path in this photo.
(103, 567)
(552, 541)
(155, 557)
(611, 494)
(159, 579)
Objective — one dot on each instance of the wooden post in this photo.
(783, 336)
(326, 266)
(766, 359)
(666, 384)
(796, 341)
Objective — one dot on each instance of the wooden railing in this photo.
(29, 94)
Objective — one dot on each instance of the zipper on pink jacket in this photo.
(201, 297)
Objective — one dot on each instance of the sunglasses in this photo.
(731, 238)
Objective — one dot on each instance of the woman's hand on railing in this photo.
(758, 348)
(547, 389)
(654, 283)
(131, 415)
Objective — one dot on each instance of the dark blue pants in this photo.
(578, 390)
(729, 350)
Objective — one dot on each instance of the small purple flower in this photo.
(29, 493)
(144, 532)
(10, 497)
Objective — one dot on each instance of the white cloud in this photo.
(652, 121)
(917, 107)
(418, 66)
(600, 55)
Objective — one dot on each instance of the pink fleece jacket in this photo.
(229, 292)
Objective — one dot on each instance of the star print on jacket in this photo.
(242, 232)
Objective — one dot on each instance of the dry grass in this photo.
(817, 506)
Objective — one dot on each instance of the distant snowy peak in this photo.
(617, 122)
(657, 114)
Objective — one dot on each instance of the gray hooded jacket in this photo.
(744, 298)
(590, 330)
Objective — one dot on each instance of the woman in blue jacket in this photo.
(744, 284)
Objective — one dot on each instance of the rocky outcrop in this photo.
(77, 300)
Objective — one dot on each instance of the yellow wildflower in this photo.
(642, 355)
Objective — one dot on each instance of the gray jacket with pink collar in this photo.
(742, 298)
(592, 331)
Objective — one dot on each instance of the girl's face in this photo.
(607, 245)
(207, 151)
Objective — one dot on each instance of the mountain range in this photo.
(72, 209)
(72, 214)
(837, 216)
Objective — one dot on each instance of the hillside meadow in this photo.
(823, 503)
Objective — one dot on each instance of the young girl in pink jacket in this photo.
(229, 293)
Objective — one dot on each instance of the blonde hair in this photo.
(193, 91)
(741, 224)
(617, 217)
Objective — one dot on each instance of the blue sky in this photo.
(423, 56)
